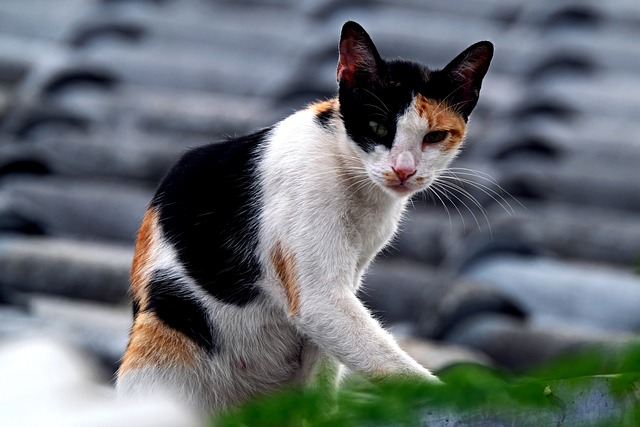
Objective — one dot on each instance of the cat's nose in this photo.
(404, 166)
(404, 173)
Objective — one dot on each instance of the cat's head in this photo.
(407, 121)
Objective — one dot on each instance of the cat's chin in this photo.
(401, 190)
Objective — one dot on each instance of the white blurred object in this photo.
(43, 382)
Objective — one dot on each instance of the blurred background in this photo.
(528, 249)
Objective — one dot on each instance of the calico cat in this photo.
(250, 255)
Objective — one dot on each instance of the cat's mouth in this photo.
(404, 188)
(392, 184)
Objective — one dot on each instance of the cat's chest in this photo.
(317, 197)
(369, 228)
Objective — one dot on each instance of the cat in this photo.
(250, 255)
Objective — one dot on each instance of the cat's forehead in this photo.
(404, 80)
(394, 92)
(408, 75)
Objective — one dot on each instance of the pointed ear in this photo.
(465, 74)
(359, 59)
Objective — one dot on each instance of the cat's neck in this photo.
(313, 150)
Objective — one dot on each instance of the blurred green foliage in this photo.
(472, 394)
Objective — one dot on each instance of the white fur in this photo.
(322, 203)
(327, 203)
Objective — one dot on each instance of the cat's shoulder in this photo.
(320, 115)
(210, 162)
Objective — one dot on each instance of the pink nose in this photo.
(404, 172)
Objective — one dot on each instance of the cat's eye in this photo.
(435, 136)
(378, 128)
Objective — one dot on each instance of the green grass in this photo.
(470, 389)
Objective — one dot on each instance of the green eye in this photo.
(378, 128)
(435, 136)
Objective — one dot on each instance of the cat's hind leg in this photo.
(160, 361)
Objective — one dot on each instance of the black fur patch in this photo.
(208, 206)
(324, 118)
(180, 310)
(135, 306)
(383, 99)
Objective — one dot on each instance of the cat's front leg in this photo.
(323, 307)
(342, 326)
(316, 290)
(318, 368)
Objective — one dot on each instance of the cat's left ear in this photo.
(465, 74)
(359, 59)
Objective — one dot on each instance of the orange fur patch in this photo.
(323, 106)
(144, 245)
(441, 117)
(153, 343)
(284, 264)
(390, 177)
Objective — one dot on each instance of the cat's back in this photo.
(206, 210)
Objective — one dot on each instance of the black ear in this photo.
(359, 58)
(465, 74)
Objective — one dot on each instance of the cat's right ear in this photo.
(359, 59)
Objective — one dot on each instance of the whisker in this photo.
(473, 172)
(386, 109)
(437, 190)
(497, 196)
(451, 188)
(433, 193)
(494, 195)
(383, 113)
